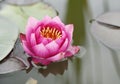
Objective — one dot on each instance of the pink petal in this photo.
(59, 41)
(22, 37)
(57, 20)
(57, 57)
(25, 44)
(62, 38)
(41, 51)
(63, 34)
(64, 46)
(33, 39)
(31, 25)
(39, 40)
(52, 47)
(27, 48)
(72, 50)
(44, 41)
(37, 32)
(42, 61)
(46, 20)
(32, 22)
(69, 30)
(28, 33)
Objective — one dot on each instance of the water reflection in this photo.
(55, 68)
(64, 72)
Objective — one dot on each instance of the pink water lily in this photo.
(48, 40)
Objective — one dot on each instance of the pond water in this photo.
(60, 73)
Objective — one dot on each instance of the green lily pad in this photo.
(39, 10)
(8, 36)
(20, 14)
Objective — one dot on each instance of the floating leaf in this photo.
(106, 29)
(11, 65)
(19, 53)
(21, 2)
(39, 10)
(112, 18)
(20, 14)
(8, 36)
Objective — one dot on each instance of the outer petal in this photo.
(41, 51)
(27, 48)
(64, 46)
(72, 50)
(52, 47)
(57, 20)
(69, 30)
(31, 25)
(57, 57)
(32, 22)
(26, 45)
(46, 20)
(22, 37)
(42, 61)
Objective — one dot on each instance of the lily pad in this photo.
(21, 2)
(20, 14)
(8, 36)
(11, 65)
(106, 29)
(39, 10)
(112, 18)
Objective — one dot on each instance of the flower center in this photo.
(52, 33)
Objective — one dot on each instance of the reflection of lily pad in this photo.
(20, 14)
(8, 36)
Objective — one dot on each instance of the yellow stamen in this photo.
(52, 33)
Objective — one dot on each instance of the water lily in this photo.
(48, 40)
